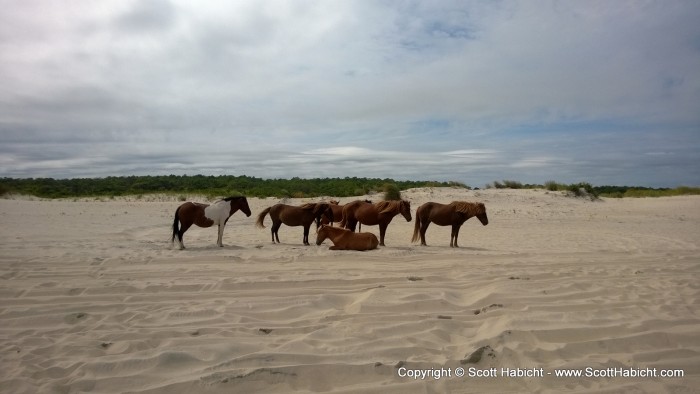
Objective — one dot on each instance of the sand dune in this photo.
(95, 299)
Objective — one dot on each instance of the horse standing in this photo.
(454, 214)
(205, 215)
(344, 239)
(290, 215)
(380, 213)
(337, 212)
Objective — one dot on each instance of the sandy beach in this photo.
(94, 298)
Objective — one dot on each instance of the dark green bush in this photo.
(391, 192)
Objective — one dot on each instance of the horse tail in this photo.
(343, 218)
(344, 221)
(261, 217)
(176, 228)
(416, 229)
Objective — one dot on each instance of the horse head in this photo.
(405, 209)
(482, 214)
(322, 209)
(239, 203)
(321, 234)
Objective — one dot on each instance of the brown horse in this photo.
(337, 212)
(453, 214)
(290, 215)
(205, 215)
(344, 239)
(380, 213)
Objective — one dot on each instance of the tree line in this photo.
(581, 188)
(227, 185)
(223, 185)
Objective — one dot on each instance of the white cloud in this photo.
(453, 83)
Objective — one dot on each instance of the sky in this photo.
(606, 92)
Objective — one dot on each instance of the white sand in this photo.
(94, 299)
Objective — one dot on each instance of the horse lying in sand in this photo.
(344, 239)
(205, 215)
(290, 215)
(453, 214)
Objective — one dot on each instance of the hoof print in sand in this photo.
(486, 308)
(74, 318)
(478, 354)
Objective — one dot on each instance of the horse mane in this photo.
(233, 198)
(388, 206)
(308, 205)
(470, 208)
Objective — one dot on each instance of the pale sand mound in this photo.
(94, 299)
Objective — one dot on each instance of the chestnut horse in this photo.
(205, 215)
(380, 213)
(453, 214)
(290, 215)
(344, 239)
(337, 212)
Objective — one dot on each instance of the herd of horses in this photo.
(344, 236)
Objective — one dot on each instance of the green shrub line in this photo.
(228, 185)
(210, 186)
(582, 188)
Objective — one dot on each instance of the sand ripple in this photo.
(552, 282)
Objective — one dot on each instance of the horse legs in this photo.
(423, 228)
(220, 238)
(382, 231)
(455, 234)
(181, 232)
(351, 224)
(306, 234)
(275, 231)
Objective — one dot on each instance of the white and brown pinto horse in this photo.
(205, 215)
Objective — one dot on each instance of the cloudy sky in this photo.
(606, 92)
